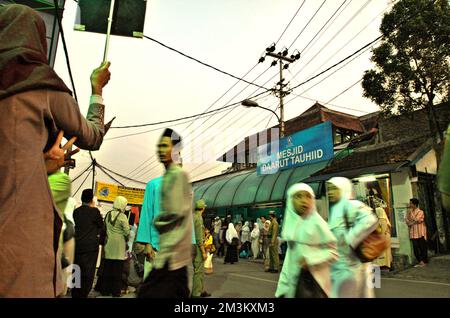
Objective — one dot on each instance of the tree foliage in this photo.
(412, 64)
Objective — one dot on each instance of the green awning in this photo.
(248, 189)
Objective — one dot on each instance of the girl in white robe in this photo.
(310, 243)
(349, 275)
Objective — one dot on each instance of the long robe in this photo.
(349, 275)
(309, 239)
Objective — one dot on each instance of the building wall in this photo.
(402, 193)
(428, 163)
(413, 125)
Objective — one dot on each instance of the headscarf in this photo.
(255, 231)
(266, 225)
(260, 223)
(23, 52)
(120, 203)
(246, 224)
(291, 218)
(231, 233)
(343, 184)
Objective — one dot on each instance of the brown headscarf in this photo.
(23, 53)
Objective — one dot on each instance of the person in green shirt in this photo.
(444, 173)
(200, 255)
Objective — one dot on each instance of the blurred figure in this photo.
(28, 83)
(88, 224)
(169, 277)
(200, 256)
(245, 238)
(254, 236)
(349, 275)
(415, 219)
(311, 248)
(272, 235)
(232, 241)
(216, 236)
(444, 173)
(118, 232)
(266, 244)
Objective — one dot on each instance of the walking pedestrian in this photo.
(118, 231)
(88, 224)
(169, 277)
(311, 248)
(232, 241)
(349, 275)
(254, 236)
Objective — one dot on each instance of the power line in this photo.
(345, 45)
(340, 62)
(238, 81)
(323, 26)
(205, 64)
(307, 24)
(290, 22)
(215, 102)
(118, 174)
(229, 111)
(334, 36)
(331, 67)
(74, 179)
(345, 90)
(82, 183)
(65, 49)
(101, 168)
(326, 29)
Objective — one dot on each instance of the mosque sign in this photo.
(305, 147)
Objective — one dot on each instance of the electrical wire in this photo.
(65, 48)
(301, 52)
(307, 24)
(82, 183)
(290, 22)
(205, 64)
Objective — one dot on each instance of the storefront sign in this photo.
(108, 192)
(302, 148)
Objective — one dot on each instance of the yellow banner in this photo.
(108, 192)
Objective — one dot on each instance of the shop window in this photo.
(380, 189)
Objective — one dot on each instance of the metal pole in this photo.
(108, 32)
(281, 101)
(94, 163)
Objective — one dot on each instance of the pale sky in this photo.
(150, 83)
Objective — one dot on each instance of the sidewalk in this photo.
(437, 270)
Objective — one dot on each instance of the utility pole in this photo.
(281, 92)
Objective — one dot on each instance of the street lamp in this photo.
(251, 103)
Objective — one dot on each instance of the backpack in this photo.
(103, 237)
(373, 245)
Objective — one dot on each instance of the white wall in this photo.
(402, 193)
(427, 163)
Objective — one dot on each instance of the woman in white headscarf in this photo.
(245, 237)
(254, 236)
(118, 231)
(349, 275)
(232, 241)
(311, 247)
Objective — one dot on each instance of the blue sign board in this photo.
(308, 146)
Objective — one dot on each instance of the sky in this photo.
(150, 83)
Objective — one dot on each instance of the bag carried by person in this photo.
(208, 265)
(373, 245)
(103, 238)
